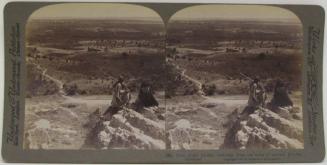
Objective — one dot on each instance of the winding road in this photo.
(90, 102)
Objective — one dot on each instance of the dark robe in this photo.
(145, 97)
(280, 98)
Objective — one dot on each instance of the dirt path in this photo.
(229, 100)
(47, 50)
(58, 82)
(197, 82)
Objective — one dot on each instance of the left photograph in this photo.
(95, 77)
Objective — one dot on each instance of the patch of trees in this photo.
(209, 90)
(70, 89)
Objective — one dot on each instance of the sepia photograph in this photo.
(161, 82)
(95, 77)
(234, 78)
(212, 77)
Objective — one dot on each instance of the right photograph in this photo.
(234, 78)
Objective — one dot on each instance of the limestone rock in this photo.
(130, 129)
(265, 129)
(179, 136)
(284, 112)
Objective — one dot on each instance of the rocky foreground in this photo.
(196, 123)
(187, 122)
(265, 129)
(62, 122)
(129, 129)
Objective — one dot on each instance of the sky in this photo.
(128, 11)
(245, 12)
(93, 11)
